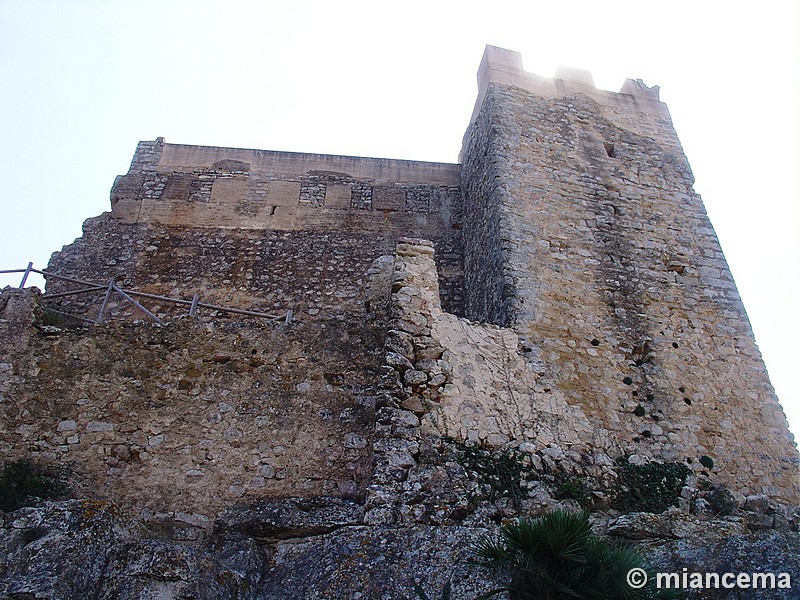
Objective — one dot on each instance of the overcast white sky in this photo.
(81, 82)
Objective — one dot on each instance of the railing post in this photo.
(137, 304)
(105, 302)
(25, 276)
(193, 308)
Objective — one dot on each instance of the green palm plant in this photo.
(557, 557)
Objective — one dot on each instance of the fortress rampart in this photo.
(563, 295)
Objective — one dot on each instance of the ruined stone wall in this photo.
(382, 431)
(449, 380)
(203, 412)
(450, 383)
(192, 416)
(318, 275)
(425, 506)
(585, 240)
(620, 288)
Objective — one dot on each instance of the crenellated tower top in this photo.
(502, 66)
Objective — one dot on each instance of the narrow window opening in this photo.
(272, 210)
(609, 149)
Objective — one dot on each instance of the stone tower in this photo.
(589, 241)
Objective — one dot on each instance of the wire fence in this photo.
(111, 289)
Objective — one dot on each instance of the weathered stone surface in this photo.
(587, 238)
(673, 524)
(567, 208)
(400, 342)
(415, 377)
(769, 553)
(378, 562)
(398, 361)
(82, 549)
(151, 568)
(761, 512)
(297, 226)
(58, 550)
(87, 549)
(290, 518)
(147, 416)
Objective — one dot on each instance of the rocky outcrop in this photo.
(294, 548)
(86, 549)
(290, 518)
(321, 549)
(774, 554)
(696, 551)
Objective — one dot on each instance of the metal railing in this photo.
(128, 295)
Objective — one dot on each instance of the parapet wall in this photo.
(202, 186)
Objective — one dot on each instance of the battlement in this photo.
(502, 66)
(636, 107)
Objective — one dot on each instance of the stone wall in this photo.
(449, 380)
(192, 416)
(624, 332)
(617, 283)
(490, 289)
(450, 383)
(382, 431)
(406, 523)
(317, 275)
(322, 208)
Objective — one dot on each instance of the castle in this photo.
(560, 292)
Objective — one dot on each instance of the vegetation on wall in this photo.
(718, 497)
(500, 474)
(504, 473)
(651, 487)
(571, 487)
(23, 483)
